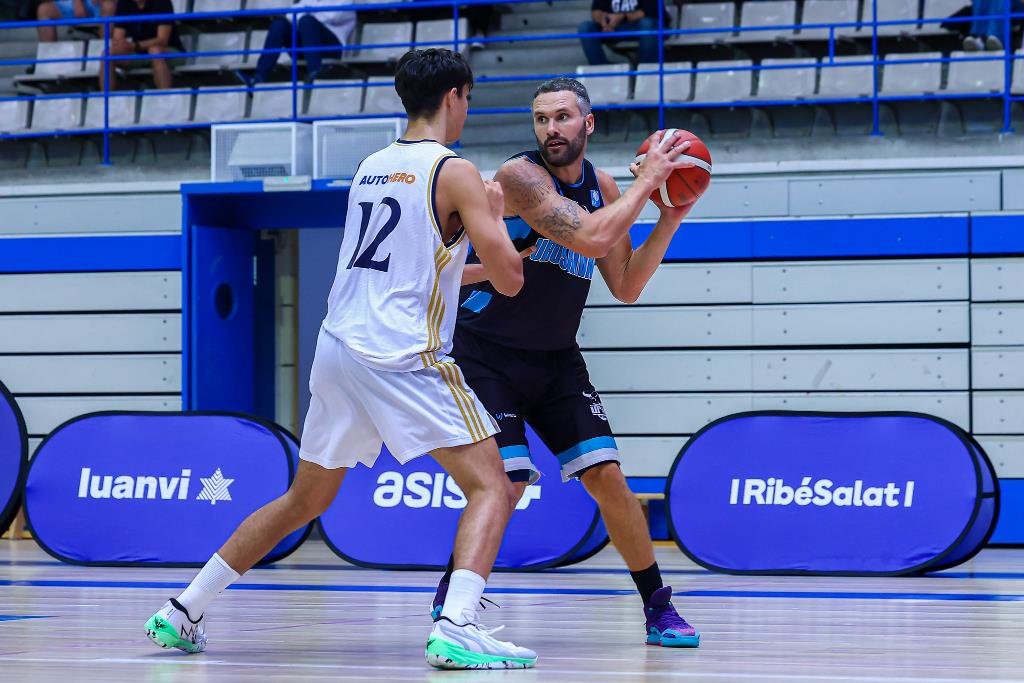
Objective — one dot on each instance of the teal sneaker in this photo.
(173, 627)
(471, 646)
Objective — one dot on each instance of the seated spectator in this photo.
(613, 16)
(321, 29)
(986, 33)
(69, 9)
(161, 40)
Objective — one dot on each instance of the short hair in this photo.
(565, 84)
(424, 76)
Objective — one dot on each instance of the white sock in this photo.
(464, 593)
(213, 578)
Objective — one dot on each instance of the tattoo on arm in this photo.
(529, 192)
(562, 221)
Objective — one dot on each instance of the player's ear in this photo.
(588, 121)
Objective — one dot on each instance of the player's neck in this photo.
(571, 174)
(427, 129)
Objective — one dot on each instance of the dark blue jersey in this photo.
(546, 313)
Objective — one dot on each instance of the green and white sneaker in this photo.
(173, 627)
(471, 646)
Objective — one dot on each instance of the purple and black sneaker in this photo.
(664, 625)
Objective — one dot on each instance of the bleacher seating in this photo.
(787, 83)
(232, 43)
(441, 33)
(331, 99)
(705, 16)
(219, 105)
(729, 82)
(976, 76)
(914, 78)
(271, 101)
(1017, 85)
(121, 113)
(399, 34)
(605, 89)
(168, 110)
(56, 114)
(847, 81)
(678, 87)
(382, 99)
(829, 12)
(13, 116)
(728, 48)
(764, 14)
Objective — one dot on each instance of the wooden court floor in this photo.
(314, 618)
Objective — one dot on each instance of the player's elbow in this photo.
(624, 294)
(509, 278)
(510, 282)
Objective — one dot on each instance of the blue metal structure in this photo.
(296, 87)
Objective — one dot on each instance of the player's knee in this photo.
(603, 478)
(309, 504)
(156, 49)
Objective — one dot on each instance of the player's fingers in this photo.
(683, 164)
(525, 253)
(681, 147)
(634, 168)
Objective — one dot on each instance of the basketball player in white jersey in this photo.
(382, 373)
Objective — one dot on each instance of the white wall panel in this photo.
(1013, 198)
(670, 370)
(686, 283)
(903, 323)
(997, 324)
(997, 367)
(732, 198)
(895, 193)
(668, 326)
(65, 213)
(43, 414)
(128, 332)
(1006, 454)
(863, 370)
(999, 412)
(953, 406)
(1000, 279)
(670, 413)
(33, 444)
(648, 456)
(36, 293)
(89, 374)
(902, 280)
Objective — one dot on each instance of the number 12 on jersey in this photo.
(366, 258)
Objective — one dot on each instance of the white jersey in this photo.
(396, 291)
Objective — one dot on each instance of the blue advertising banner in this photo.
(154, 488)
(13, 456)
(404, 516)
(831, 493)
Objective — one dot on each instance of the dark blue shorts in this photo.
(549, 389)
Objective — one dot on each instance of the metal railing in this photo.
(669, 38)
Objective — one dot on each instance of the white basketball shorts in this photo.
(354, 409)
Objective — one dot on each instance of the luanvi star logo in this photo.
(215, 488)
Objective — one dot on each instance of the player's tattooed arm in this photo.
(530, 193)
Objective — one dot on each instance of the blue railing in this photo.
(670, 38)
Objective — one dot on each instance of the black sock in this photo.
(449, 569)
(647, 581)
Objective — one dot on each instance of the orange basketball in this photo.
(685, 185)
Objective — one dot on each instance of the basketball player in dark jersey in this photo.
(519, 354)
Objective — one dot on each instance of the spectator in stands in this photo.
(158, 39)
(69, 9)
(986, 33)
(613, 16)
(479, 18)
(320, 29)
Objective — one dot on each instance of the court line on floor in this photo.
(508, 590)
(206, 661)
(19, 617)
(596, 571)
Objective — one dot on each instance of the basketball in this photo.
(685, 185)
